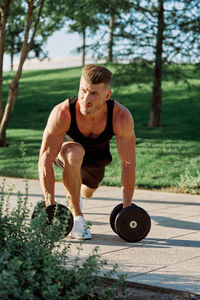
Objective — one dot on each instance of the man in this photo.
(76, 139)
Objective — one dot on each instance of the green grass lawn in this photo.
(167, 157)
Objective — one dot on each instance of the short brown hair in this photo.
(96, 74)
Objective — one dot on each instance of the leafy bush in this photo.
(33, 265)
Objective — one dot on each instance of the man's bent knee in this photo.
(72, 153)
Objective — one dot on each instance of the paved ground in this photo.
(169, 257)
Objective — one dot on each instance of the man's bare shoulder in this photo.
(122, 118)
(59, 118)
(120, 109)
(62, 108)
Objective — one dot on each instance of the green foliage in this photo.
(82, 16)
(137, 33)
(32, 262)
(15, 28)
(50, 21)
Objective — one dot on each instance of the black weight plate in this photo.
(113, 215)
(38, 208)
(133, 223)
(61, 215)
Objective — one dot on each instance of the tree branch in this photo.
(36, 24)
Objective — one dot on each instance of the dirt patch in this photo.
(136, 291)
(133, 293)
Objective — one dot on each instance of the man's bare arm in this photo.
(125, 138)
(51, 145)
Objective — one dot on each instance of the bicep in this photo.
(53, 135)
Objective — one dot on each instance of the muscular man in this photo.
(76, 139)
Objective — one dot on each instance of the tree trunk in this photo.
(13, 89)
(4, 14)
(155, 112)
(83, 47)
(11, 61)
(12, 97)
(110, 42)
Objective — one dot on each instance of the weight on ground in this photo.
(131, 223)
(56, 214)
(114, 214)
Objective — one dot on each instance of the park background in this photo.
(135, 40)
(152, 47)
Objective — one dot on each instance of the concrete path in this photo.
(169, 257)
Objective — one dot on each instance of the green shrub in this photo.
(33, 265)
(189, 182)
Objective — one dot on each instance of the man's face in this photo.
(92, 97)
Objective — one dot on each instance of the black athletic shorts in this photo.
(91, 176)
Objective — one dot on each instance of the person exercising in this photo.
(76, 139)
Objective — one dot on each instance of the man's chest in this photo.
(92, 128)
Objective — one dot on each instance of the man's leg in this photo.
(71, 156)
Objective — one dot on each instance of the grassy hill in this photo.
(167, 157)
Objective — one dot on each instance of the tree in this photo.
(177, 35)
(145, 31)
(88, 17)
(41, 19)
(155, 112)
(159, 33)
(30, 29)
(15, 29)
(111, 42)
(110, 17)
(116, 11)
(4, 9)
(82, 17)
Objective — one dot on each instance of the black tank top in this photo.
(97, 150)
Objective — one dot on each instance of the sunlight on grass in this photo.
(167, 157)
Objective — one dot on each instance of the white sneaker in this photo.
(80, 230)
